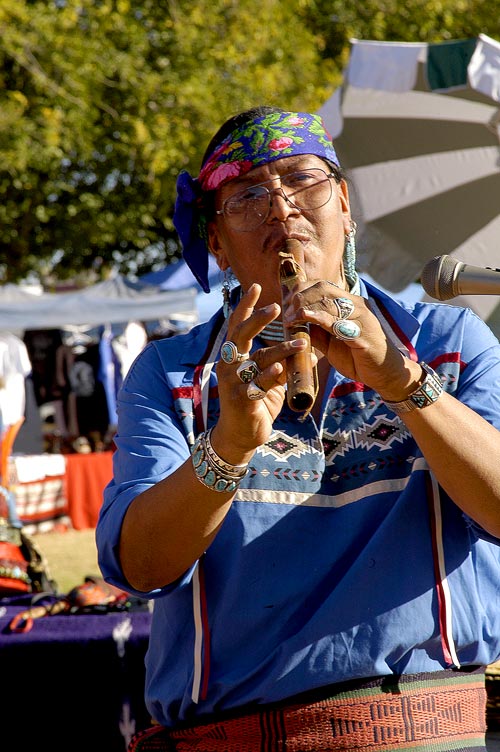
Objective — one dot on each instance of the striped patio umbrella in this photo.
(417, 128)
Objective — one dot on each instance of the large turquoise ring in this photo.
(229, 353)
(346, 330)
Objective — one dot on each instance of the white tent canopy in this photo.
(417, 128)
(116, 300)
(177, 275)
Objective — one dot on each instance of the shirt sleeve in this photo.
(150, 445)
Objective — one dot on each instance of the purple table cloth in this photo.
(74, 681)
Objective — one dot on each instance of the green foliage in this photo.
(102, 102)
(401, 20)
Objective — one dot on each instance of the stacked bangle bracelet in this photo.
(212, 470)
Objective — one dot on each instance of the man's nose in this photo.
(281, 204)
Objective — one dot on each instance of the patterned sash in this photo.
(436, 712)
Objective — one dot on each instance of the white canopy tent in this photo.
(117, 300)
(417, 127)
(178, 275)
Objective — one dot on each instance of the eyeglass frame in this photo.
(334, 173)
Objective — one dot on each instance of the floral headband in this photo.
(257, 142)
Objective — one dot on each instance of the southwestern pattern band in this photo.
(442, 712)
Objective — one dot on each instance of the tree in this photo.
(399, 21)
(102, 102)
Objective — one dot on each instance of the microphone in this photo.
(301, 381)
(443, 277)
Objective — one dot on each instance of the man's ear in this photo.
(345, 205)
(215, 247)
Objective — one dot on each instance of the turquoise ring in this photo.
(229, 353)
(346, 330)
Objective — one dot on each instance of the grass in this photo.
(70, 556)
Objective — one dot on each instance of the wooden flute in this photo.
(301, 378)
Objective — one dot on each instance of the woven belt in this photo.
(439, 712)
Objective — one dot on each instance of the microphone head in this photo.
(438, 277)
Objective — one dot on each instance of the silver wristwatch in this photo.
(425, 394)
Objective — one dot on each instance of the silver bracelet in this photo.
(238, 470)
(212, 470)
(427, 392)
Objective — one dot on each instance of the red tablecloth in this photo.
(86, 477)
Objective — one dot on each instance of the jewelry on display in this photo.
(229, 353)
(212, 470)
(428, 391)
(346, 330)
(247, 371)
(344, 306)
(254, 392)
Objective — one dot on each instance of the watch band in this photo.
(425, 394)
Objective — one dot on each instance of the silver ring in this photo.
(344, 306)
(254, 392)
(346, 330)
(247, 371)
(229, 353)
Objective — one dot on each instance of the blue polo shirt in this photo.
(340, 555)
